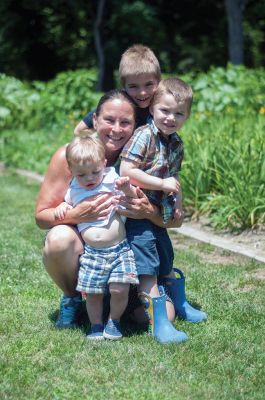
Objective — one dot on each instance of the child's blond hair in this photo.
(181, 91)
(84, 149)
(137, 60)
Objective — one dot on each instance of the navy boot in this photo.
(159, 325)
(176, 291)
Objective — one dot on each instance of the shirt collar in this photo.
(174, 137)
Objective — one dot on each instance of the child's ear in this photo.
(105, 163)
(95, 123)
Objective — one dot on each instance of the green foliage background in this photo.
(223, 174)
(39, 39)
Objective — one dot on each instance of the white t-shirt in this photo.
(76, 193)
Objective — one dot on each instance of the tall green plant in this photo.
(224, 175)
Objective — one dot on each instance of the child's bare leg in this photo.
(118, 299)
(159, 321)
(148, 284)
(94, 306)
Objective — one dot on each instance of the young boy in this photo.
(152, 159)
(108, 259)
(139, 73)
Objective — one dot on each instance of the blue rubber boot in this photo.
(176, 291)
(159, 325)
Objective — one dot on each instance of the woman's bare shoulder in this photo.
(58, 156)
(56, 180)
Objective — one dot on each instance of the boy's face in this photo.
(90, 174)
(141, 88)
(169, 115)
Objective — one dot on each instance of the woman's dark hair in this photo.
(116, 94)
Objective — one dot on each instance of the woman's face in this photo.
(115, 124)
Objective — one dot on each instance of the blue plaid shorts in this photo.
(101, 266)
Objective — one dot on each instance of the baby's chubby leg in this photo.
(94, 305)
(118, 299)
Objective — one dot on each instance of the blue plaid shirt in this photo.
(159, 156)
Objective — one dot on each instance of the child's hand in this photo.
(178, 214)
(122, 183)
(170, 185)
(60, 211)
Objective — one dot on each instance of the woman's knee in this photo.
(62, 239)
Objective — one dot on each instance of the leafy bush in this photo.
(224, 168)
(16, 99)
(63, 100)
(234, 89)
(67, 98)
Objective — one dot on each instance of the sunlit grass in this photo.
(223, 358)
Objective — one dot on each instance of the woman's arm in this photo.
(52, 192)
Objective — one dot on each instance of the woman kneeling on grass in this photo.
(114, 122)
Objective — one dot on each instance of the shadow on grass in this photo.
(129, 327)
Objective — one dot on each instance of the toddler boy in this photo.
(152, 159)
(107, 259)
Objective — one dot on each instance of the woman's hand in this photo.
(95, 208)
(137, 208)
(141, 208)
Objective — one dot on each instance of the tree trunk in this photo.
(234, 11)
(98, 45)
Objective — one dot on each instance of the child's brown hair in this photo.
(181, 91)
(137, 60)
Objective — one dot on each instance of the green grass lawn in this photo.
(224, 358)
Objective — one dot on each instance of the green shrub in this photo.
(234, 89)
(17, 100)
(224, 168)
(63, 100)
(67, 98)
